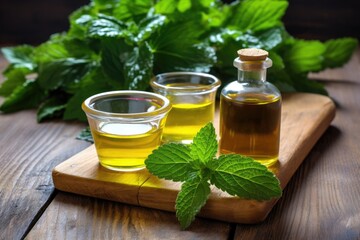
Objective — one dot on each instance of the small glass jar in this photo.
(126, 126)
(250, 110)
(192, 96)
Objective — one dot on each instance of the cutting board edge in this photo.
(68, 185)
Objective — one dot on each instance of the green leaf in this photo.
(128, 67)
(217, 14)
(170, 161)
(85, 135)
(107, 26)
(20, 56)
(303, 84)
(28, 95)
(256, 15)
(304, 56)
(270, 39)
(104, 4)
(278, 63)
(339, 51)
(79, 21)
(176, 48)
(51, 50)
(244, 177)
(148, 26)
(115, 52)
(14, 77)
(62, 73)
(204, 146)
(138, 68)
(91, 84)
(281, 79)
(51, 108)
(166, 6)
(183, 5)
(132, 9)
(191, 198)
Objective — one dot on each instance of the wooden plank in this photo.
(304, 118)
(28, 153)
(71, 216)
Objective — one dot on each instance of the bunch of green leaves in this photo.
(121, 44)
(197, 166)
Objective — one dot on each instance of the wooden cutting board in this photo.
(305, 117)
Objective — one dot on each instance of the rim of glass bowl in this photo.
(161, 100)
(203, 88)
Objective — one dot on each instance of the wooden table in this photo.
(322, 200)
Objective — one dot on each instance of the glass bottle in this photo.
(250, 110)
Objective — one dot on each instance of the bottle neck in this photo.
(255, 76)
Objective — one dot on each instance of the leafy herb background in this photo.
(112, 45)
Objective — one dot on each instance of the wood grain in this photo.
(82, 173)
(28, 153)
(72, 216)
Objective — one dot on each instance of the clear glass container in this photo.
(126, 126)
(192, 96)
(250, 113)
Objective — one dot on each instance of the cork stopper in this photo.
(252, 54)
(252, 59)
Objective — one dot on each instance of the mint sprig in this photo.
(197, 167)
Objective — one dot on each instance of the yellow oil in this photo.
(250, 125)
(186, 119)
(124, 147)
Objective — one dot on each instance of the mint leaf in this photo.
(14, 77)
(166, 6)
(107, 26)
(244, 177)
(51, 108)
(304, 56)
(339, 51)
(204, 145)
(132, 9)
(115, 52)
(194, 54)
(85, 135)
(148, 26)
(128, 67)
(238, 175)
(256, 15)
(303, 84)
(20, 56)
(25, 96)
(191, 198)
(138, 68)
(62, 73)
(94, 82)
(171, 161)
(51, 50)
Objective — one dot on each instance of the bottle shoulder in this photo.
(236, 89)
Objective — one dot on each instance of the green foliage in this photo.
(126, 42)
(196, 165)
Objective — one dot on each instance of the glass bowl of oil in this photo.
(126, 126)
(192, 96)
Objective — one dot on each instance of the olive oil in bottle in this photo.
(250, 110)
